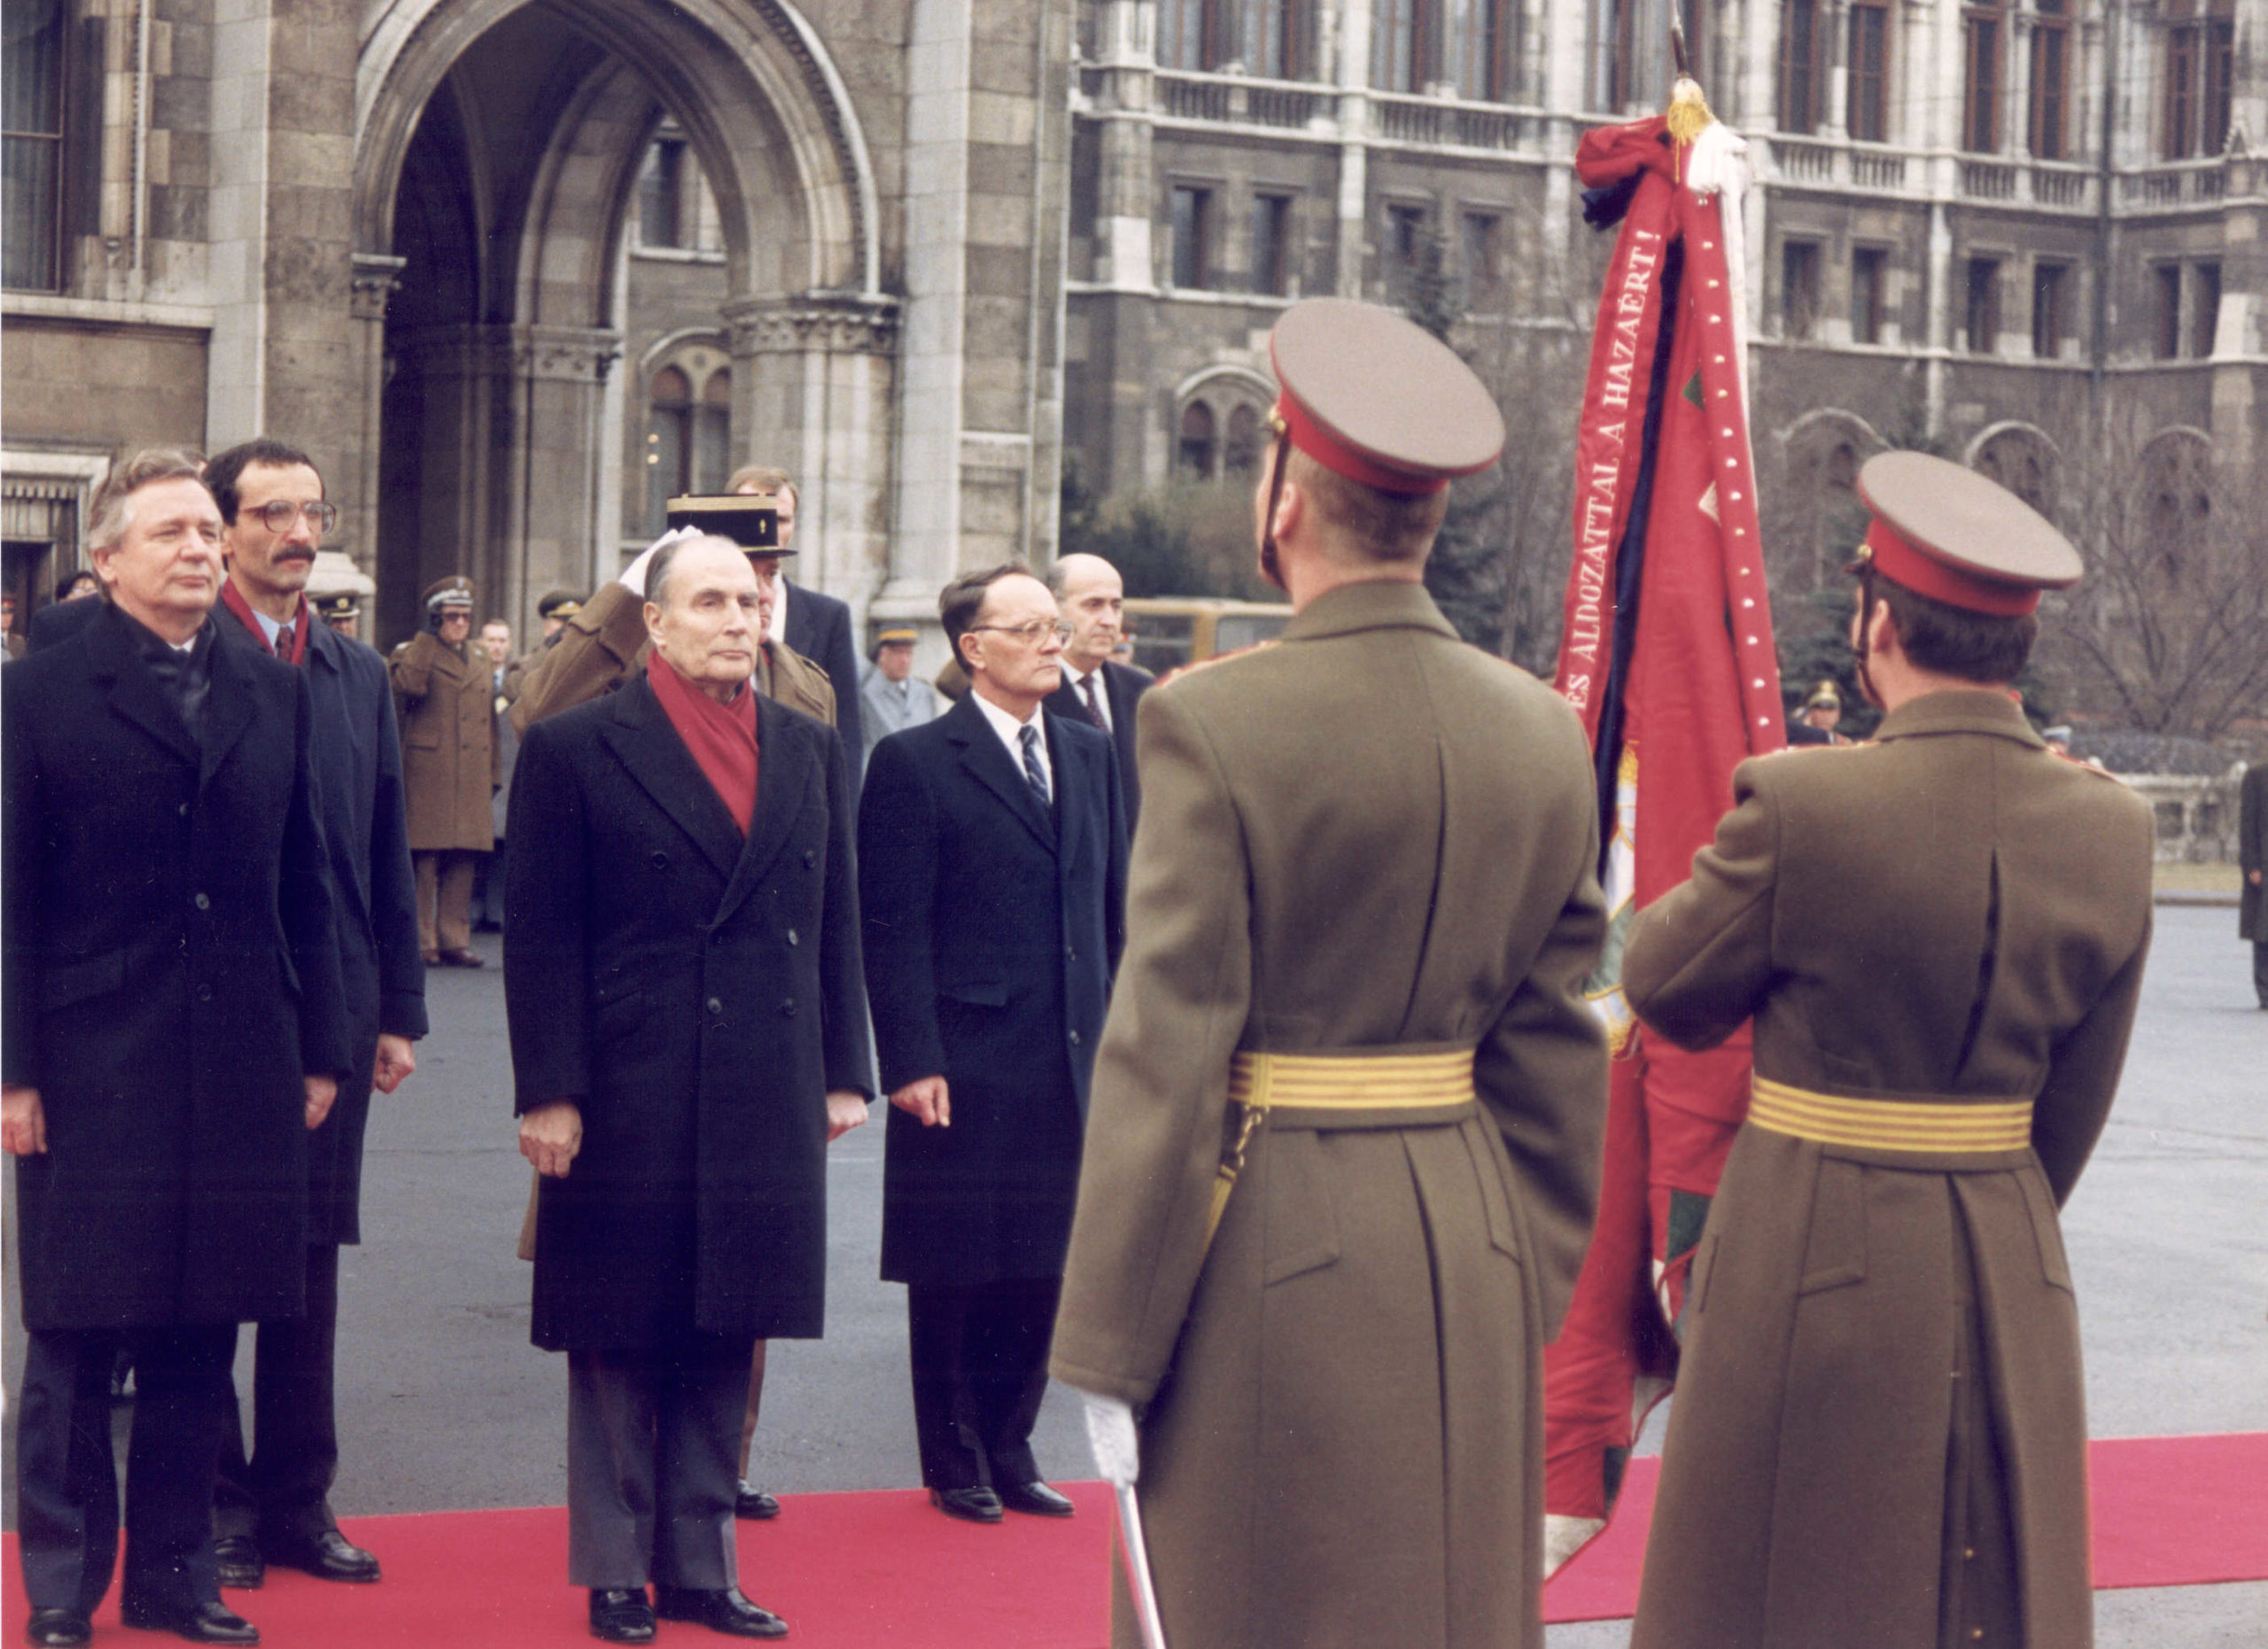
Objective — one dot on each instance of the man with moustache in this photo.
(449, 767)
(1097, 688)
(273, 1505)
(681, 981)
(174, 1028)
(991, 872)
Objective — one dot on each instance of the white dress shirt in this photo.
(1011, 735)
(1078, 685)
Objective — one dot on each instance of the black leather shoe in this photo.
(200, 1622)
(748, 1501)
(462, 958)
(58, 1629)
(622, 1616)
(329, 1556)
(979, 1504)
(242, 1567)
(1035, 1499)
(722, 1611)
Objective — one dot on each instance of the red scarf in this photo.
(722, 737)
(233, 599)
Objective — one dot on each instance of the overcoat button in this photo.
(1074, 1039)
(204, 992)
(202, 903)
(716, 1006)
(810, 858)
(792, 939)
(789, 1007)
(182, 810)
(661, 861)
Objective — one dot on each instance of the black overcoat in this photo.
(1123, 686)
(696, 995)
(2252, 852)
(818, 627)
(992, 931)
(171, 971)
(356, 751)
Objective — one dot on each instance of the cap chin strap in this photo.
(1270, 569)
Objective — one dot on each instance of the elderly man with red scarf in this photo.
(682, 984)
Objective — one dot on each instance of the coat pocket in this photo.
(1834, 1247)
(977, 992)
(62, 984)
(1301, 1228)
(2047, 1229)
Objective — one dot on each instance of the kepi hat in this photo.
(559, 604)
(454, 591)
(1376, 398)
(332, 608)
(1942, 531)
(750, 519)
(1826, 695)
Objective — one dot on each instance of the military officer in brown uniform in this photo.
(449, 767)
(1361, 908)
(604, 641)
(1879, 1431)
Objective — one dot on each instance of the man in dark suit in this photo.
(810, 622)
(171, 1014)
(1096, 688)
(274, 1505)
(681, 981)
(991, 871)
(2252, 864)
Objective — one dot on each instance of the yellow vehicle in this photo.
(1171, 631)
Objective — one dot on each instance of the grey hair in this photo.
(113, 506)
(657, 569)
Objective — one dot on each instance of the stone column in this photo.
(812, 383)
(355, 489)
(548, 523)
(1354, 155)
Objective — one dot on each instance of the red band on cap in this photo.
(1337, 456)
(1900, 558)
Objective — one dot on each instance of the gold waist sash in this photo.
(1338, 1091)
(1950, 1127)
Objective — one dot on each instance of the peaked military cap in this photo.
(1943, 530)
(559, 604)
(1826, 695)
(454, 591)
(891, 637)
(1379, 400)
(750, 519)
(330, 609)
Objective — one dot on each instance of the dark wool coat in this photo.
(991, 931)
(356, 751)
(172, 972)
(1367, 837)
(1122, 685)
(818, 631)
(2252, 852)
(448, 745)
(696, 995)
(1879, 1437)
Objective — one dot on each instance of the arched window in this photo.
(2176, 504)
(669, 442)
(2022, 460)
(713, 464)
(1199, 454)
(1241, 457)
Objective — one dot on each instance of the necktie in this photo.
(1035, 774)
(283, 643)
(1094, 710)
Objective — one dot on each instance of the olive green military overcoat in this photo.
(448, 745)
(606, 641)
(1367, 837)
(1879, 1435)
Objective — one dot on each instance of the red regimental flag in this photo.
(1667, 654)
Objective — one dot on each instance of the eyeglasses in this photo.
(1037, 630)
(278, 515)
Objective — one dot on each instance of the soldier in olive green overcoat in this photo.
(1879, 1437)
(449, 767)
(1362, 903)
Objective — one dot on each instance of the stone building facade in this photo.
(513, 270)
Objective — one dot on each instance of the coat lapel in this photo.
(988, 760)
(1073, 786)
(229, 709)
(644, 742)
(787, 767)
(134, 692)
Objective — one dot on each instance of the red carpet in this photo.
(883, 1571)
(2167, 1511)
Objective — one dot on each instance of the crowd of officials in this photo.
(1276, 1135)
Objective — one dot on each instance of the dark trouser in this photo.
(284, 1488)
(755, 1402)
(980, 1369)
(488, 897)
(650, 1477)
(66, 1490)
(2260, 970)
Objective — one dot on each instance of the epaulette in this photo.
(1179, 671)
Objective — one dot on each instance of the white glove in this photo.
(633, 576)
(1110, 1434)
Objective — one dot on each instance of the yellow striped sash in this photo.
(1946, 1128)
(1340, 1083)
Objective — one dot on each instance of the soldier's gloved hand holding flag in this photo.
(1667, 654)
(1118, 1457)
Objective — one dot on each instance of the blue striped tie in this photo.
(1035, 774)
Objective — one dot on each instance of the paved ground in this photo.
(445, 1405)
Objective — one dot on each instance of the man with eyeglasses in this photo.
(272, 1505)
(991, 882)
